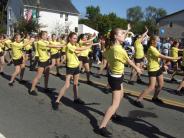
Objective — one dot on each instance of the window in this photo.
(66, 17)
(171, 24)
(76, 29)
(61, 15)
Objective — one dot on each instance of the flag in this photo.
(28, 15)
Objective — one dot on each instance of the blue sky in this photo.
(120, 6)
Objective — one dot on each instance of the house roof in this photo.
(171, 15)
(53, 5)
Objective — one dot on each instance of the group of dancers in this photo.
(45, 53)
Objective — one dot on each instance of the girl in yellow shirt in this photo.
(154, 72)
(2, 46)
(28, 50)
(83, 58)
(55, 54)
(17, 56)
(116, 57)
(43, 63)
(63, 50)
(72, 69)
(138, 57)
(174, 63)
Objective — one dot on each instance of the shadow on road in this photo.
(141, 126)
(164, 105)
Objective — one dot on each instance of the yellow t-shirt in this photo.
(27, 47)
(153, 59)
(174, 52)
(71, 57)
(7, 44)
(63, 49)
(139, 50)
(1, 47)
(35, 48)
(182, 59)
(54, 50)
(43, 50)
(116, 57)
(84, 53)
(17, 48)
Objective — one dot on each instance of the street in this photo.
(25, 116)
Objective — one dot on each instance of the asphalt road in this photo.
(25, 116)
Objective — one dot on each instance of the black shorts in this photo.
(63, 53)
(18, 61)
(140, 60)
(155, 73)
(83, 59)
(1, 54)
(174, 63)
(72, 71)
(115, 83)
(28, 51)
(44, 64)
(56, 56)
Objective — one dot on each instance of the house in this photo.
(172, 25)
(55, 16)
(85, 29)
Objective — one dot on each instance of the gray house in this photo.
(172, 25)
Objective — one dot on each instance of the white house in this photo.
(55, 16)
(85, 29)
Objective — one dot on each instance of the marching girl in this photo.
(154, 72)
(174, 63)
(43, 64)
(72, 68)
(2, 62)
(63, 49)
(55, 54)
(28, 50)
(17, 56)
(116, 57)
(138, 57)
(83, 58)
(36, 55)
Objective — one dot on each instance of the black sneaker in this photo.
(10, 84)
(173, 80)
(2, 73)
(79, 101)
(22, 81)
(104, 132)
(58, 74)
(49, 90)
(138, 104)
(139, 81)
(116, 118)
(177, 92)
(89, 82)
(157, 100)
(55, 105)
(33, 92)
(131, 82)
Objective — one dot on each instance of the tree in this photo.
(151, 16)
(135, 14)
(26, 26)
(3, 15)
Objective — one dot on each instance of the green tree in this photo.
(151, 16)
(26, 26)
(135, 14)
